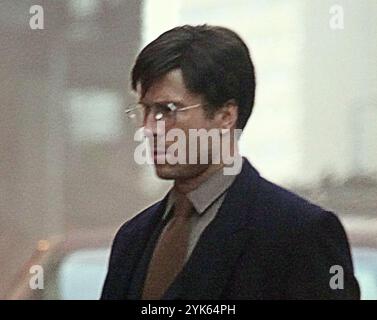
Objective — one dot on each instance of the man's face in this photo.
(171, 88)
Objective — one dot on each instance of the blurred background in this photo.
(67, 175)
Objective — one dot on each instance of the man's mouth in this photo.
(159, 155)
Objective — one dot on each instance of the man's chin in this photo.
(167, 171)
(178, 171)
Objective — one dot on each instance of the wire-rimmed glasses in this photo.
(167, 112)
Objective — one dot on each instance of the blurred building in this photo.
(66, 151)
(356, 196)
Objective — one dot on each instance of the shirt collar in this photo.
(206, 194)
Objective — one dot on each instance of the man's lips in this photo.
(159, 155)
(159, 152)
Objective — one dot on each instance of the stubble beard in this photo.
(179, 171)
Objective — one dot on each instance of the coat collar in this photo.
(209, 266)
(206, 193)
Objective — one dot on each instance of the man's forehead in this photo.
(163, 96)
(170, 87)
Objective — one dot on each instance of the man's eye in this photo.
(164, 108)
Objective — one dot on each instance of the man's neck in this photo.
(187, 185)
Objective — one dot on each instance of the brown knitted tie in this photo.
(169, 254)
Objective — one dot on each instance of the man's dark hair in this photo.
(215, 62)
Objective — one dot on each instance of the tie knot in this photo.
(183, 207)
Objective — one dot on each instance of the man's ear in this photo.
(227, 115)
(139, 92)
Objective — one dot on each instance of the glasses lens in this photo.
(164, 111)
(136, 115)
(139, 113)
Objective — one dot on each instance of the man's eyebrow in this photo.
(177, 102)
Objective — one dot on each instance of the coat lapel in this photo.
(136, 240)
(206, 273)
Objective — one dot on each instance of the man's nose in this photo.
(150, 123)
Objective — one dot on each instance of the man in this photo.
(217, 235)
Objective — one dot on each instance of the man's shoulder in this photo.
(286, 208)
(284, 198)
(273, 200)
(137, 221)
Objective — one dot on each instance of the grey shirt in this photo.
(206, 199)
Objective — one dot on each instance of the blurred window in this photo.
(96, 115)
(83, 8)
(82, 274)
(365, 263)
